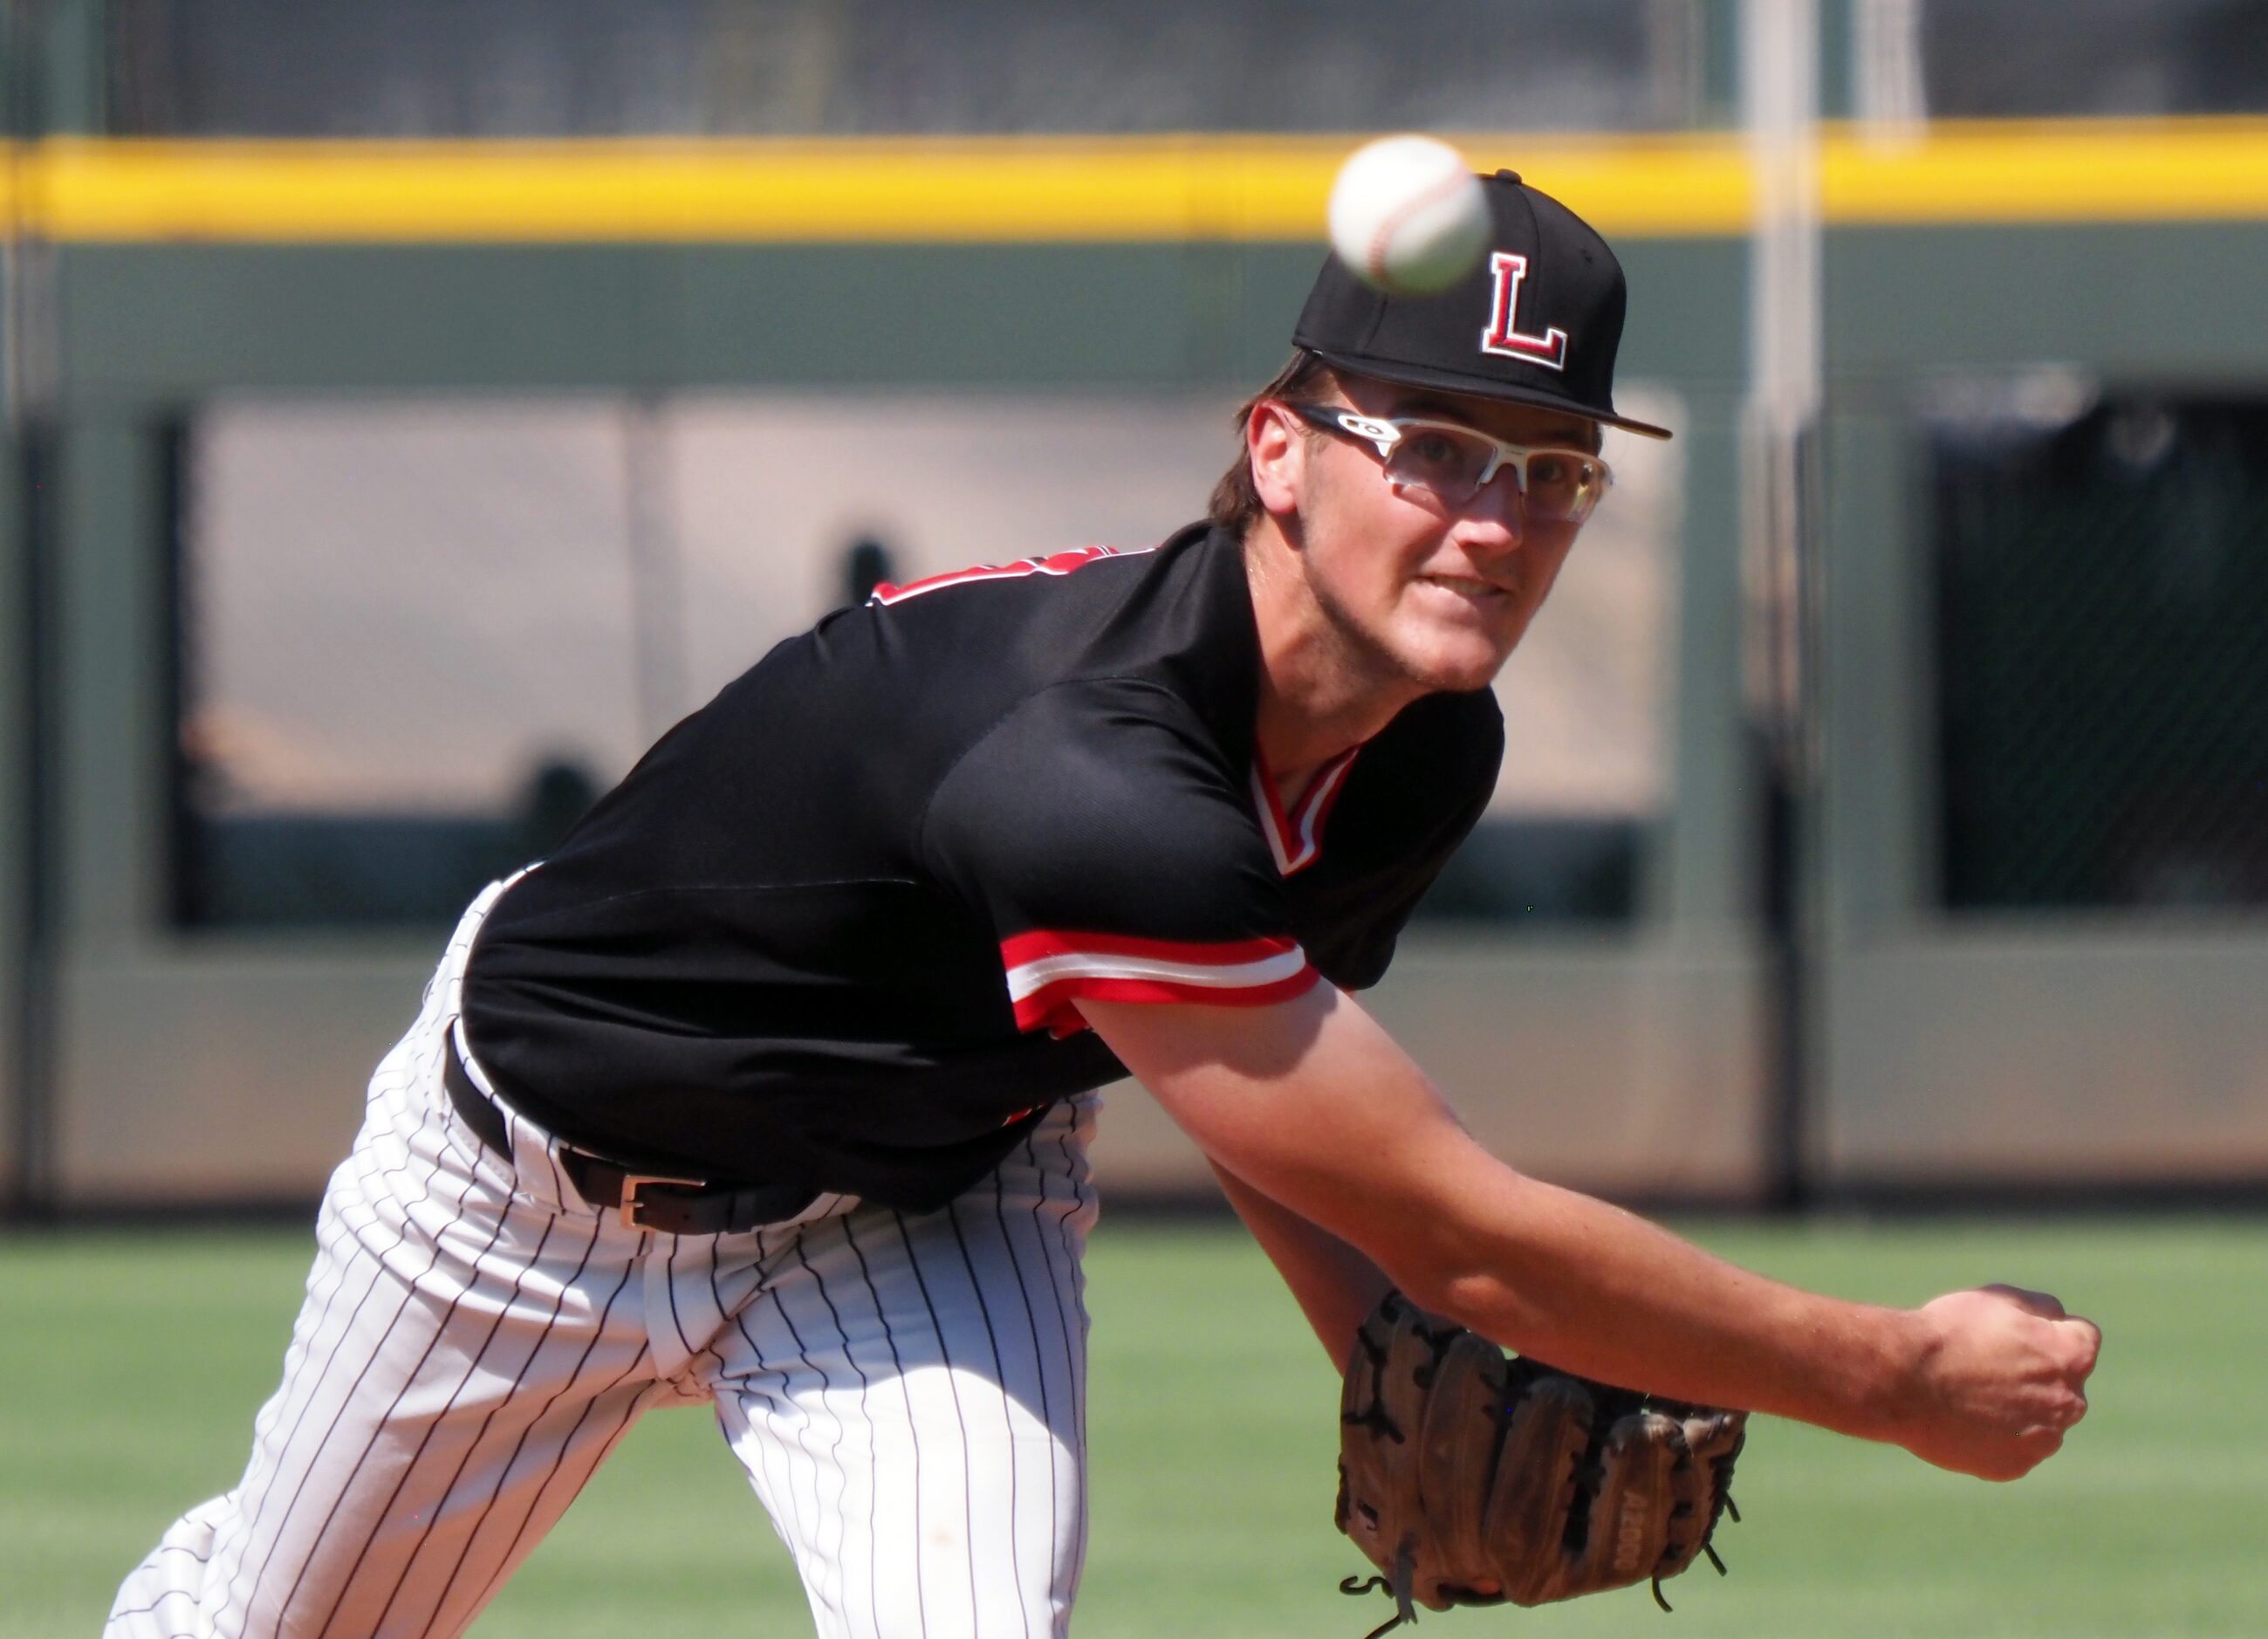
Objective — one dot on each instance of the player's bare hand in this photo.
(2003, 1375)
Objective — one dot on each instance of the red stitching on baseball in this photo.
(1375, 261)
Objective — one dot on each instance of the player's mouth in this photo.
(1470, 586)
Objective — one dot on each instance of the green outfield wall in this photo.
(147, 1063)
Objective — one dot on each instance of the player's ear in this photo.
(1277, 445)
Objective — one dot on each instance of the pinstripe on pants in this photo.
(906, 1393)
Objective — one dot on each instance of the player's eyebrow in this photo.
(1573, 434)
(1426, 405)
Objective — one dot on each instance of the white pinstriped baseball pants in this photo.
(906, 1393)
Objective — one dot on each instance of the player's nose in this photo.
(1496, 518)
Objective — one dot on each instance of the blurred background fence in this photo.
(412, 411)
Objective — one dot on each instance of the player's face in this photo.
(1436, 592)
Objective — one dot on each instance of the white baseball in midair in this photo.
(1408, 215)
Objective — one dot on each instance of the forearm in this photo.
(1602, 1292)
(1595, 1289)
(1334, 1284)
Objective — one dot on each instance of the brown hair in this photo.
(1235, 505)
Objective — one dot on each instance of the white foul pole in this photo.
(1780, 103)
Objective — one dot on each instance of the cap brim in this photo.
(1480, 386)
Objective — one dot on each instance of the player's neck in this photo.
(1319, 696)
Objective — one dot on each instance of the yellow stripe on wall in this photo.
(1016, 189)
(2067, 170)
(998, 189)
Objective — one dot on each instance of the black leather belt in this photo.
(672, 1205)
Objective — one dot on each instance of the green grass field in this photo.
(130, 1365)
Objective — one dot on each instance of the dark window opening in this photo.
(2102, 591)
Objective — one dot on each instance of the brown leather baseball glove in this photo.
(1469, 1478)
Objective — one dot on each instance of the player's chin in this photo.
(1457, 662)
(1464, 649)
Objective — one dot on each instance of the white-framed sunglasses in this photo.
(1454, 462)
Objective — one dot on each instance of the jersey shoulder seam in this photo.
(945, 776)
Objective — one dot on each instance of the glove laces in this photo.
(1397, 1588)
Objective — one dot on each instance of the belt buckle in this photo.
(633, 1182)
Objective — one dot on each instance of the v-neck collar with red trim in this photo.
(1296, 837)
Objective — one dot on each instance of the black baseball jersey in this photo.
(833, 928)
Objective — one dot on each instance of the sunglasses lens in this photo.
(1441, 460)
(1563, 485)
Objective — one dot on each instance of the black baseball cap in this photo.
(1536, 323)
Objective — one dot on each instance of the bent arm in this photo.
(1310, 1104)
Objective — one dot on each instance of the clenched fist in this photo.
(2002, 1375)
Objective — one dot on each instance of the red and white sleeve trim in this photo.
(1049, 972)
